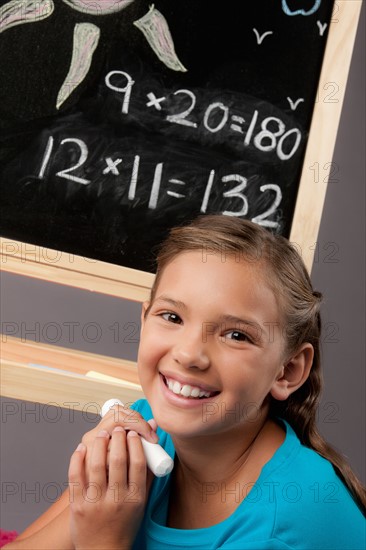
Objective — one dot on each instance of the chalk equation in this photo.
(230, 186)
(268, 134)
(124, 169)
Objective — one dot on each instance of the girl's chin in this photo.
(187, 424)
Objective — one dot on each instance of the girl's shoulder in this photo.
(303, 474)
(301, 483)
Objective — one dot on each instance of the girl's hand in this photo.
(107, 505)
(121, 416)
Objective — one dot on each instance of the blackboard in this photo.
(121, 119)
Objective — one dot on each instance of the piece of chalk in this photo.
(157, 459)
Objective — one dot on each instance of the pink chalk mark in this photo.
(86, 38)
(155, 28)
(98, 7)
(19, 12)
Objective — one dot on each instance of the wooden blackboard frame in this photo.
(63, 268)
(324, 128)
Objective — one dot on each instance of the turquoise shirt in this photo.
(298, 502)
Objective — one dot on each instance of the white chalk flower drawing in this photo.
(153, 26)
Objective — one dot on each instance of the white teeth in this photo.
(176, 387)
(186, 390)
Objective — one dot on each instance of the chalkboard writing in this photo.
(121, 119)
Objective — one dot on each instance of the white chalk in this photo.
(158, 460)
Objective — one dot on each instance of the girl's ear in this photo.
(145, 307)
(294, 373)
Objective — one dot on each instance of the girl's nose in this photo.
(191, 352)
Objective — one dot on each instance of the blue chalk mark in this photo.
(287, 10)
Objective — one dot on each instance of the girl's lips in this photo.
(180, 400)
(189, 382)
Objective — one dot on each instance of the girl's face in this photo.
(211, 346)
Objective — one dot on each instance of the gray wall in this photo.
(37, 440)
(339, 273)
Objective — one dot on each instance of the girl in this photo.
(229, 362)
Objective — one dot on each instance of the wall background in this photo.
(37, 440)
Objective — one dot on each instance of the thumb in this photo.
(153, 424)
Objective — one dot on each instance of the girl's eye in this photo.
(238, 336)
(171, 317)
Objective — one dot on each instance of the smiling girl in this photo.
(229, 362)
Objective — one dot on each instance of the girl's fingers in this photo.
(127, 468)
(97, 474)
(127, 478)
(130, 420)
(137, 469)
(76, 474)
(118, 459)
(153, 424)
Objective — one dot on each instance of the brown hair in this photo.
(288, 277)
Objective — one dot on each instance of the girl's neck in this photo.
(210, 480)
(216, 457)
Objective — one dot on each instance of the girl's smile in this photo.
(185, 395)
(212, 334)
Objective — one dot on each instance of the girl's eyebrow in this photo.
(174, 303)
(232, 319)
